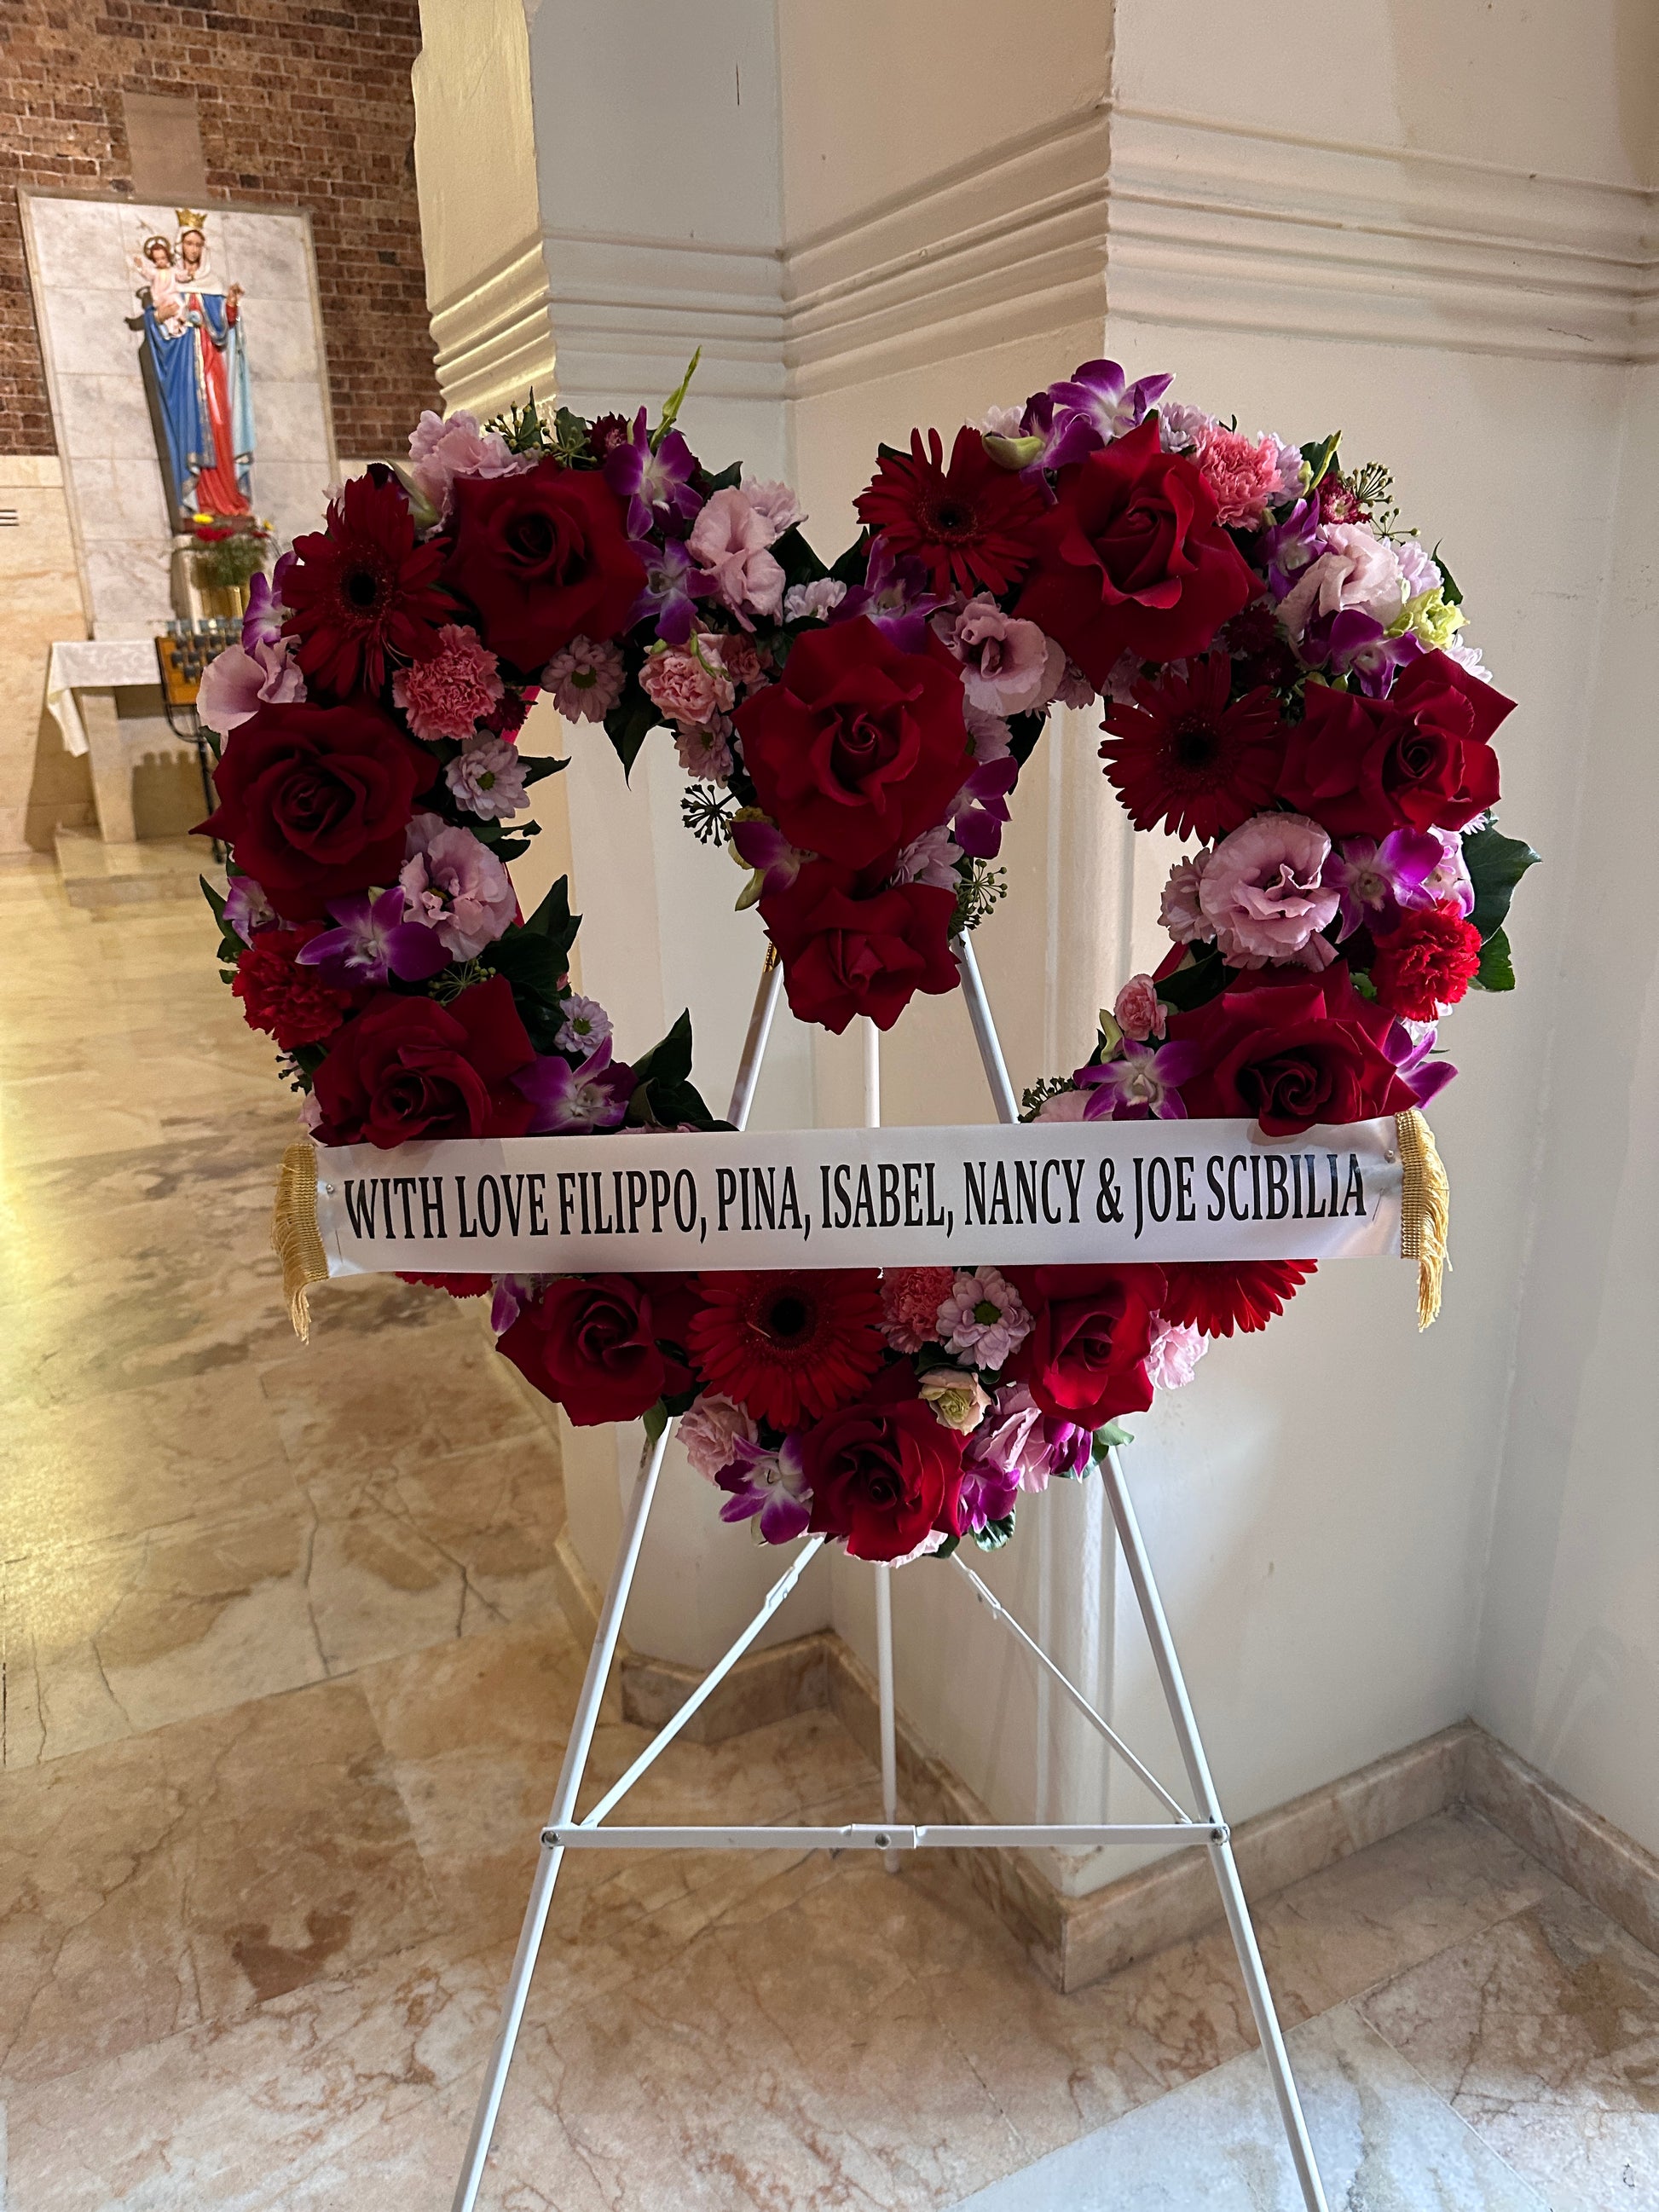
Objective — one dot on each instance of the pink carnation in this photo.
(728, 541)
(450, 695)
(910, 1299)
(687, 683)
(1178, 909)
(585, 680)
(1261, 894)
(1243, 476)
(1176, 1352)
(711, 1432)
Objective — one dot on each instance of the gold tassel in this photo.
(1424, 1210)
(294, 1237)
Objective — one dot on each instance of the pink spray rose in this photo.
(1138, 1012)
(456, 886)
(687, 683)
(1261, 897)
(1008, 667)
(728, 543)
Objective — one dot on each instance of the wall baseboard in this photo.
(1073, 1941)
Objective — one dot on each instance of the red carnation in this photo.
(791, 1345)
(288, 1002)
(1084, 1360)
(408, 1068)
(454, 1287)
(847, 950)
(1220, 1295)
(969, 524)
(315, 801)
(884, 1472)
(542, 557)
(859, 747)
(362, 587)
(1426, 963)
(1131, 557)
(1420, 759)
(1289, 1050)
(589, 1342)
(1184, 759)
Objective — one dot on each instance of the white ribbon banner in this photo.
(1056, 1193)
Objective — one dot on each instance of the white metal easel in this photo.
(890, 1836)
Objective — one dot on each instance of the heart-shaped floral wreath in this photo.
(1283, 681)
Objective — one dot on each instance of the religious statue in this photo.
(194, 360)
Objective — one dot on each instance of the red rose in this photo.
(1085, 1359)
(542, 557)
(288, 1002)
(314, 801)
(589, 1343)
(1420, 759)
(847, 951)
(1131, 556)
(884, 1472)
(1288, 1050)
(1426, 963)
(858, 747)
(409, 1068)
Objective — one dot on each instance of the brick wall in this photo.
(299, 105)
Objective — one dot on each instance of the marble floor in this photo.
(283, 1690)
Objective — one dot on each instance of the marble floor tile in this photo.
(1543, 2032)
(1383, 2139)
(188, 1874)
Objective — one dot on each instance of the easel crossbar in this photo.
(881, 1836)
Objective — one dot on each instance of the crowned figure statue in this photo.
(195, 366)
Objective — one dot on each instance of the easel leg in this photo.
(888, 1719)
(1221, 1854)
(564, 1807)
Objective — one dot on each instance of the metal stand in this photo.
(891, 1836)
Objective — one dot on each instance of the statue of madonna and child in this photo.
(194, 360)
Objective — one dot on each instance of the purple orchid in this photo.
(247, 909)
(1410, 1054)
(673, 585)
(513, 1294)
(979, 812)
(894, 595)
(1018, 1440)
(1143, 1082)
(989, 1493)
(1290, 546)
(572, 1102)
(374, 939)
(770, 1481)
(657, 485)
(1376, 884)
(1357, 646)
(1091, 409)
(769, 852)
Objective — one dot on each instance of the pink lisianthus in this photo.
(1262, 895)
(1357, 568)
(1020, 1440)
(711, 1432)
(456, 886)
(1242, 473)
(442, 448)
(1138, 1012)
(1176, 1352)
(450, 695)
(1008, 667)
(983, 1318)
(704, 752)
(1179, 909)
(910, 1300)
(585, 680)
(487, 778)
(728, 543)
(687, 683)
(1064, 1106)
(260, 671)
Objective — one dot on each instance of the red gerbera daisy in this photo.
(789, 1345)
(1220, 1295)
(968, 524)
(1428, 962)
(1184, 757)
(363, 588)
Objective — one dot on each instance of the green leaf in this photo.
(656, 1420)
(533, 964)
(1024, 731)
(995, 1533)
(1205, 978)
(1450, 590)
(1496, 865)
(950, 1545)
(849, 569)
(1319, 456)
(669, 1061)
(1111, 1436)
(674, 401)
(799, 563)
(534, 770)
(728, 479)
(1496, 970)
(629, 724)
(213, 900)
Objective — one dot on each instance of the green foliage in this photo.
(1038, 1094)
(1496, 970)
(674, 401)
(1319, 456)
(799, 563)
(1195, 985)
(995, 1533)
(1496, 865)
(982, 889)
(665, 1095)
(1449, 589)
(1111, 1438)
(629, 724)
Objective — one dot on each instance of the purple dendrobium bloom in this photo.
(657, 486)
(1410, 1055)
(770, 1481)
(979, 812)
(765, 847)
(1018, 1439)
(989, 1493)
(1092, 407)
(894, 596)
(262, 619)
(513, 1294)
(1290, 546)
(1357, 646)
(673, 585)
(1376, 884)
(247, 909)
(373, 939)
(572, 1101)
(1142, 1083)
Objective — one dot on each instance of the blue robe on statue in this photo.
(177, 370)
